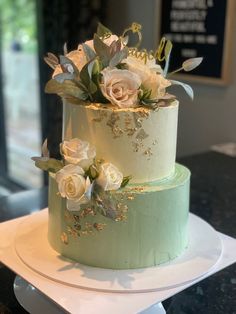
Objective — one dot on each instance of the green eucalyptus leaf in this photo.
(102, 50)
(53, 87)
(192, 63)
(118, 57)
(65, 49)
(188, 89)
(115, 46)
(102, 30)
(168, 49)
(89, 52)
(68, 65)
(51, 60)
(125, 181)
(70, 88)
(84, 75)
(92, 87)
(81, 86)
(48, 164)
(45, 151)
(61, 77)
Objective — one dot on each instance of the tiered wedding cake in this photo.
(117, 199)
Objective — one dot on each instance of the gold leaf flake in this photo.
(64, 238)
(141, 135)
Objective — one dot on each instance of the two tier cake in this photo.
(117, 199)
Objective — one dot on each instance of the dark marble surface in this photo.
(213, 197)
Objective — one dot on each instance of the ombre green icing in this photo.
(155, 230)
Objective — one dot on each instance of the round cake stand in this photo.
(200, 257)
(202, 254)
(34, 302)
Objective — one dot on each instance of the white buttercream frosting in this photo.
(140, 142)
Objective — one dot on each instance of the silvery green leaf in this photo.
(67, 65)
(125, 181)
(115, 46)
(90, 68)
(65, 49)
(186, 87)
(92, 87)
(102, 50)
(168, 49)
(125, 40)
(84, 75)
(45, 151)
(51, 60)
(118, 57)
(69, 88)
(102, 30)
(89, 52)
(53, 87)
(192, 63)
(61, 77)
(48, 164)
(81, 86)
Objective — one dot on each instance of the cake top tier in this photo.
(106, 69)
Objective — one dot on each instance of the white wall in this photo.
(211, 117)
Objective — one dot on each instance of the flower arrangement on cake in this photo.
(107, 72)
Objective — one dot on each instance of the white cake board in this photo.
(203, 252)
(76, 300)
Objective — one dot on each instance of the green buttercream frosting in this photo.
(154, 232)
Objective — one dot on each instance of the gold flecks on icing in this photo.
(67, 216)
(138, 188)
(141, 135)
(148, 152)
(137, 120)
(137, 146)
(144, 112)
(99, 226)
(72, 231)
(130, 197)
(64, 238)
(86, 212)
(112, 122)
(101, 116)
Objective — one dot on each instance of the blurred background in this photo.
(31, 28)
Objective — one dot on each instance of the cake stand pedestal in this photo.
(122, 291)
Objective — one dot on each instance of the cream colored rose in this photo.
(120, 87)
(78, 152)
(150, 74)
(78, 56)
(110, 178)
(73, 186)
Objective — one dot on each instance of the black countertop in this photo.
(213, 197)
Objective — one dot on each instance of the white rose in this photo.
(78, 56)
(78, 152)
(110, 178)
(120, 87)
(73, 186)
(150, 74)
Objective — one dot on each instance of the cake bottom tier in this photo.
(154, 232)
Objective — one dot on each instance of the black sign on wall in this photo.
(200, 28)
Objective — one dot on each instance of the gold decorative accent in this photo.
(141, 135)
(64, 238)
(99, 226)
(130, 197)
(148, 152)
